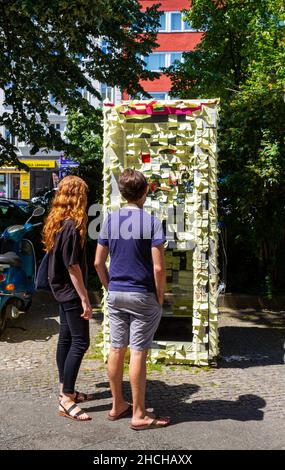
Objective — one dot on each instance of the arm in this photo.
(100, 264)
(159, 271)
(76, 277)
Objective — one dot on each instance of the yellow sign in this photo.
(39, 163)
(10, 169)
(25, 185)
(30, 163)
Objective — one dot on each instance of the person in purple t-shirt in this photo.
(135, 283)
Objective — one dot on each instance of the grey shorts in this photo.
(134, 318)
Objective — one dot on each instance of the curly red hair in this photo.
(69, 202)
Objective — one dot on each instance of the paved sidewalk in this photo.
(240, 405)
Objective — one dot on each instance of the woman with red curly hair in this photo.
(64, 239)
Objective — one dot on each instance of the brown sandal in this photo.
(67, 413)
(154, 424)
(124, 414)
(86, 397)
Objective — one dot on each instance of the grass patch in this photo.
(150, 367)
(95, 351)
(126, 368)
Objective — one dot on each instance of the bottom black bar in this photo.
(126, 459)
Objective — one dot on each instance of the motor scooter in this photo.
(17, 270)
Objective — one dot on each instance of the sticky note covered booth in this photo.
(173, 143)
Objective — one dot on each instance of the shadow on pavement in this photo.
(175, 401)
(261, 318)
(20, 330)
(35, 324)
(40, 323)
(243, 347)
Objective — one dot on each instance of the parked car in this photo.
(16, 212)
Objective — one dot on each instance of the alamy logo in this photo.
(127, 223)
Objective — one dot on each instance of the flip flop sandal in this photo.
(152, 425)
(67, 413)
(124, 414)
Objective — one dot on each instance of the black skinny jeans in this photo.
(73, 342)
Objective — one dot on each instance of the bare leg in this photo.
(138, 385)
(80, 396)
(115, 372)
(138, 382)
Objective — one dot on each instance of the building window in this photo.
(158, 95)
(9, 137)
(170, 21)
(105, 46)
(52, 100)
(176, 22)
(162, 20)
(57, 125)
(187, 26)
(83, 92)
(3, 189)
(175, 56)
(155, 61)
(106, 92)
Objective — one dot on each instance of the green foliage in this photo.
(85, 135)
(241, 59)
(51, 49)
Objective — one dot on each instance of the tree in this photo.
(50, 48)
(241, 59)
(85, 135)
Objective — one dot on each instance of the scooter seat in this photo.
(10, 258)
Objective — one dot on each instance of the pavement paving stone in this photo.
(247, 387)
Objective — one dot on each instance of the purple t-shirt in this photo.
(130, 234)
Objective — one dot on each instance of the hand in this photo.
(87, 310)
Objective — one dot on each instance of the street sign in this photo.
(68, 163)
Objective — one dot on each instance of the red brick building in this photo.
(175, 36)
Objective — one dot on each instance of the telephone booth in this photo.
(173, 143)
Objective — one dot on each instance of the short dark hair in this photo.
(132, 184)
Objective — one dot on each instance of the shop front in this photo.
(19, 184)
